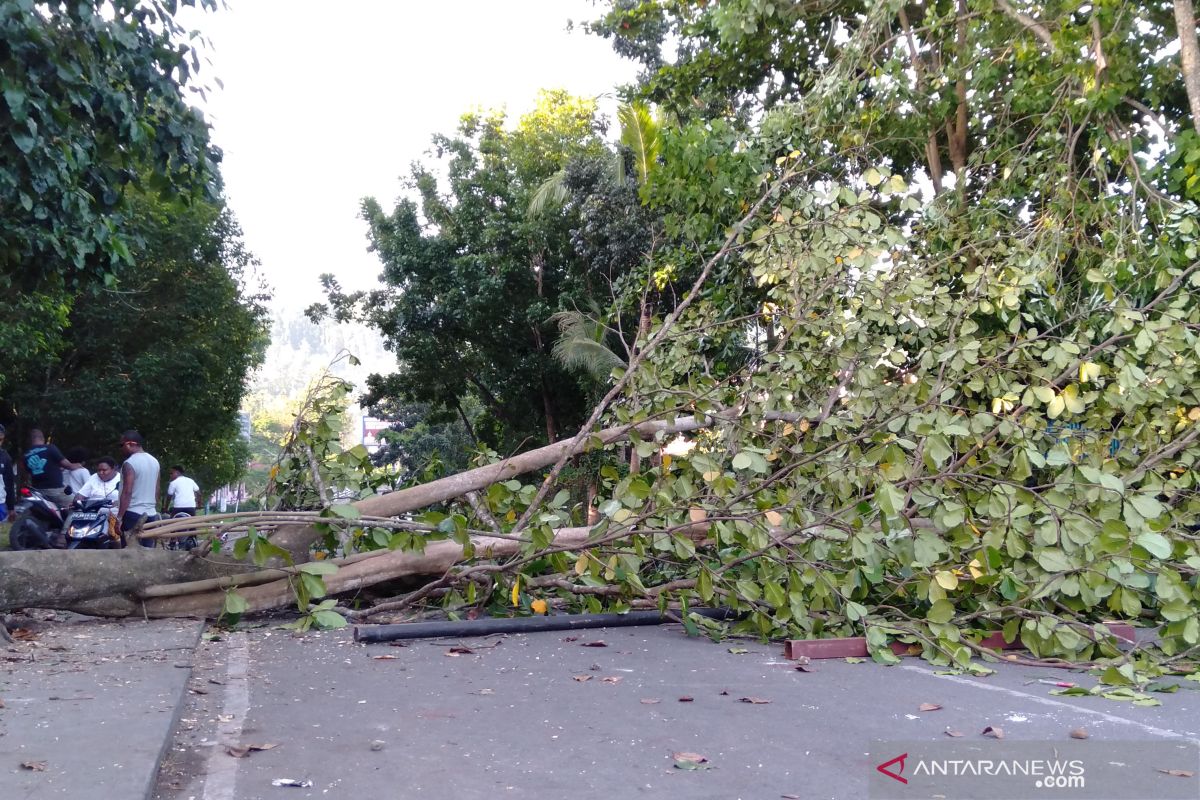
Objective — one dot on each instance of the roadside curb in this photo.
(176, 713)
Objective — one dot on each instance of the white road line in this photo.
(1046, 701)
(220, 780)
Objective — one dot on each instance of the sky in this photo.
(325, 103)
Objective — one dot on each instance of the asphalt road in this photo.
(546, 716)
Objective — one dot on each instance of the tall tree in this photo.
(94, 95)
(472, 280)
(167, 350)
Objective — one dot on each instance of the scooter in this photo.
(40, 525)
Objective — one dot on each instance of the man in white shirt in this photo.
(183, 492)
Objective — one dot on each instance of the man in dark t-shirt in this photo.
(45, 463)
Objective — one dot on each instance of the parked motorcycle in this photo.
(40, 525)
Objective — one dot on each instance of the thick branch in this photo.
(1189, 55)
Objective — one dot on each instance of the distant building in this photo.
(371, 428)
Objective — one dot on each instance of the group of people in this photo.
(132, 488)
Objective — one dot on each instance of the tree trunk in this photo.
(1189, 55)
(106, 582)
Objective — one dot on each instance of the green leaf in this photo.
(742, 460)
(345, 511)
(235, 605)
(318, 567)
(940, 612)
(1155, 543)
(889, 498)
(329, 620)
(313, 585)
(1146, 505)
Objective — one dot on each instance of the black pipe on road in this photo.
(493, 625)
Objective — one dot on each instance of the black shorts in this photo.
(191, 512)
(129, 521)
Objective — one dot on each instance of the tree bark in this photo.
(1189, 55)
(105, 582)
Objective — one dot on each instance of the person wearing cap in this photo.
(8, 482)
(139, 486)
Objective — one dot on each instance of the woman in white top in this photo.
(104, 485)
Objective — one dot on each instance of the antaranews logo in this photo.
(898, 763)
(1046, 773)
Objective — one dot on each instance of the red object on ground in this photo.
(856, 646)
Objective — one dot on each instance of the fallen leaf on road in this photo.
(385, 658)
(485, 691)
(690, 761)
(236, 751)
(258, 747)
(581, 678)
(291, 782)
(377, 745)
(28, 635)
(854, 660)
(738, 651)
(1175, 773)
(953, 733)
(1, 702)
(594, 644)
(686, 699)
(570, 638)
(1079, 733)
(197, 690)
(789, 797)
(993, 731)
(758, 701)
(459, 651)
(929, 707)
(224, 717)
(611, 679)
(36, 766)
(724, 692)
(650, 701)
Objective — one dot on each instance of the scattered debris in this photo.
(953, 733)
(993, 731)
(686, 699)
(241, 751)
(459, 650)
(76, 697)
(929, 707)
(650, 701)
(690, 761)
(385, 658)
(570, 638)
(854, 660)
(757, 701)
(377, 745)
(738, 651)
(1079, 733)
(594, 644)
(581, 678)
(35, 766)
(1178, 773)
(611, 679)
(291, 782)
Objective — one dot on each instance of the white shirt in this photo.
(145, 482)
(76, 479)
(183, 491)
(97, 488)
